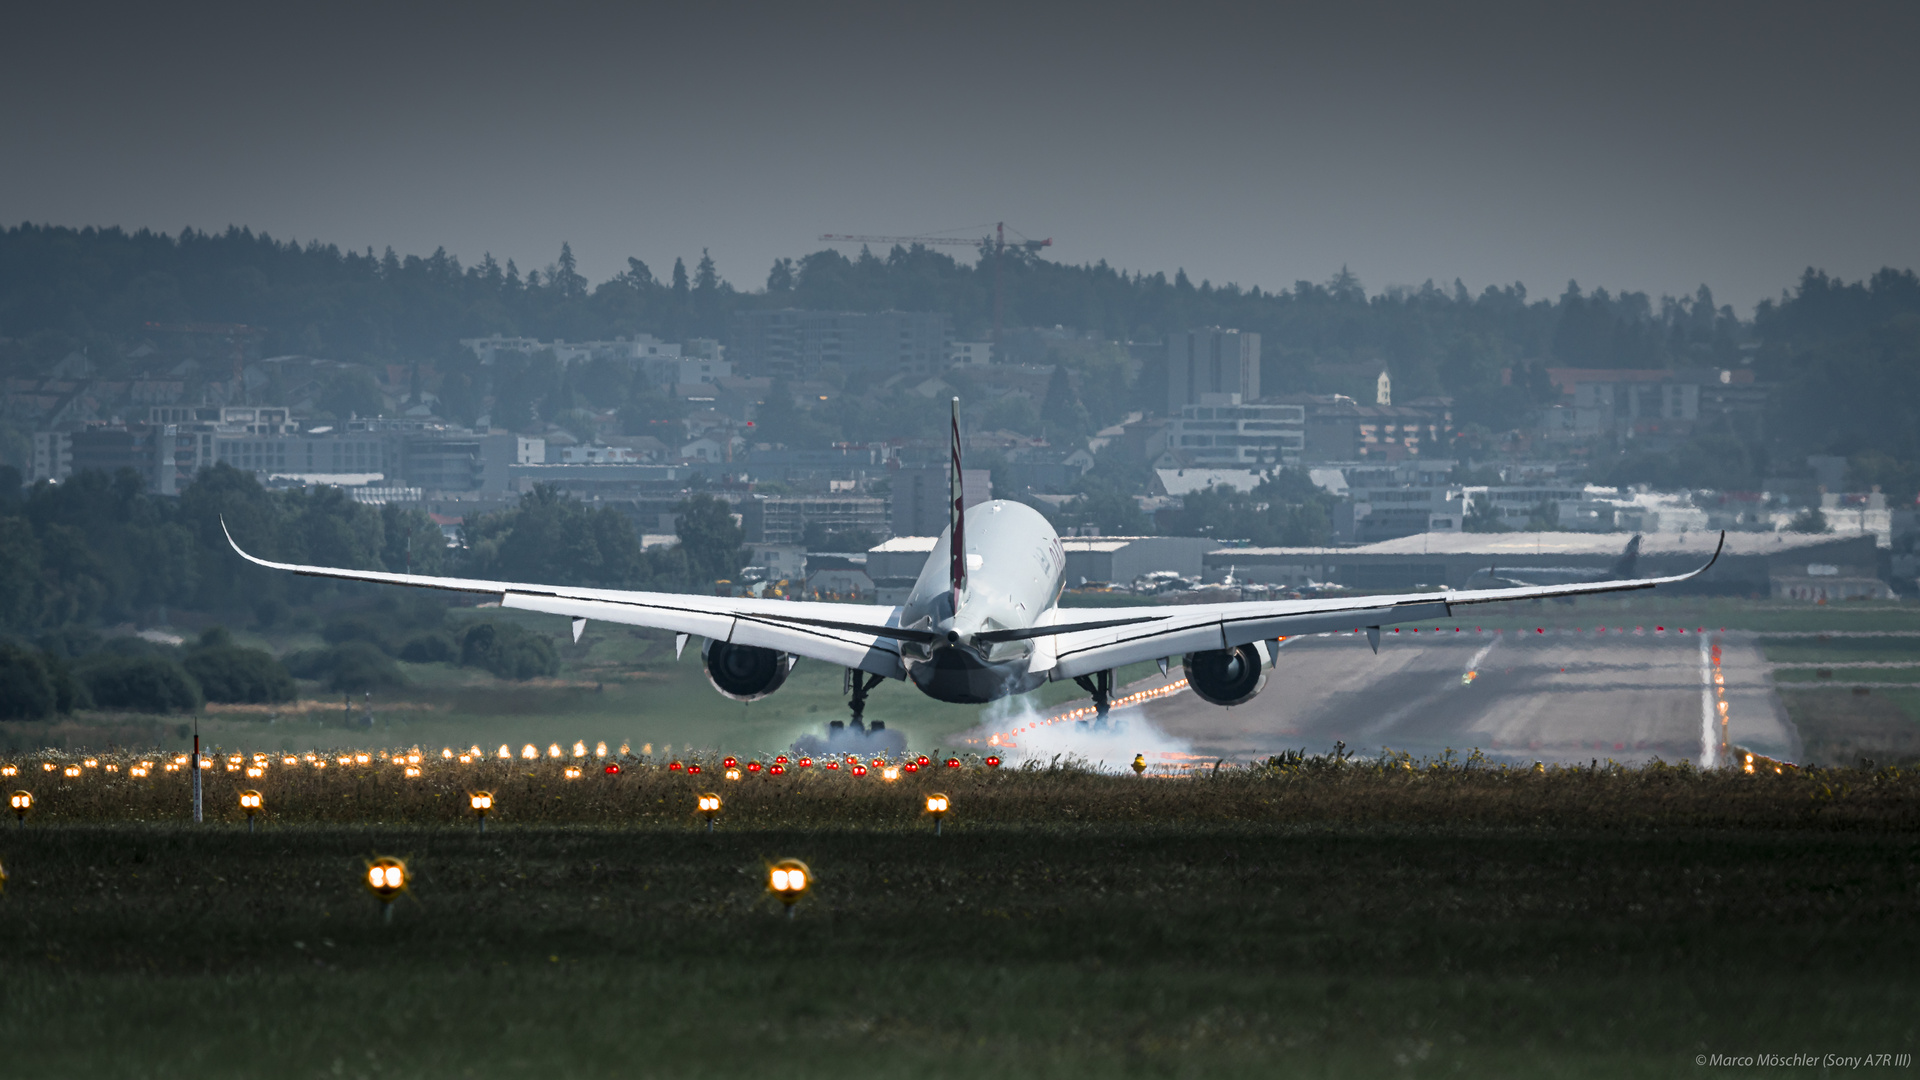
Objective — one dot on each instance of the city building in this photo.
(784, 519)
(1221, 432)
(920, 494)
(640, 348)
(1340, 429)
(969, 353)
(793, 344)
(1373, 514)
(1656, 403)
(1211, 361)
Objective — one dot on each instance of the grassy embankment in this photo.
(1320, 918)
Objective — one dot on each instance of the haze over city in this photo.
(1646, 147)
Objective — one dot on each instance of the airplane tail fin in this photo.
(956, 516)
(1624, 567)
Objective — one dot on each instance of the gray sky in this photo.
(1650, 147)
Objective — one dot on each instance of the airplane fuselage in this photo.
(1015, 571)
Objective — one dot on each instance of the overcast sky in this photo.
(1650, 147)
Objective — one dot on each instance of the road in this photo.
(1563, 696)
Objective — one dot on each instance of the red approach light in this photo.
(859, 770)
(674, 766)
(953, 763)
(778, 770)
(806, 763)
(993, 761)
(1659, 629)
(911, 767)
(833, 765)
(613, 767)
(730, 762)
(877, 762)
(753, 766)
(781, 760)
(691, 769)
(923, 762)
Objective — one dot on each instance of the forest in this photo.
(1842, 358)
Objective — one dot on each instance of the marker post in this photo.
(195, 767)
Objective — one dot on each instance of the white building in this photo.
(969, 353)
(641, 347)
(1220, 432)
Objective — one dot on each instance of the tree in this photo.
(710, 538)
(26, 688)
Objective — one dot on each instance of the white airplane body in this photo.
(983, 627)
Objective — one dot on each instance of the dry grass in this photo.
(374, 786)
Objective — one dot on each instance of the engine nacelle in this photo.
(1225, 676)
(744, 672)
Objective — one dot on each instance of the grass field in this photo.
(1316, 917)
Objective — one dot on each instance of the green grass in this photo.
(1317, 919)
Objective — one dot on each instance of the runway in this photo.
(1560, 696)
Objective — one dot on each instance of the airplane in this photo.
(1623, 567)
(982, 621)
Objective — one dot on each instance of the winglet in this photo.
(238, 550)
(1716, 555)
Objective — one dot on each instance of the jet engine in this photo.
(744, 672)
(1225, 676)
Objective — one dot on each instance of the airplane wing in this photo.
(1135, 634)
(849, 635)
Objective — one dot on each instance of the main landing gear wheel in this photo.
(857, 683)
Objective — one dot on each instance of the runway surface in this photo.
(1562, 696)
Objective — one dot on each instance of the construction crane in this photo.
(997, 244)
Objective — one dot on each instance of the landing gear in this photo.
(1100, 685)
(858, 683)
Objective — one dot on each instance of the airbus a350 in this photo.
(983, 619)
